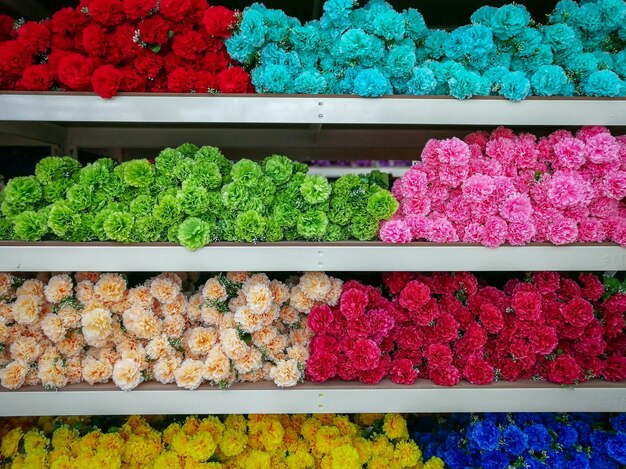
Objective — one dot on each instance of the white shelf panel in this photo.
(332, 397)
(326, 109)
(347, 256)
(338, 171)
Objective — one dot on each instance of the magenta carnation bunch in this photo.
(501, 187)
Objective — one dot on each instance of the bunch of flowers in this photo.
(496, 441)
(94, 328)
(110, 46)
(375, 51)
(191, 196)
(234, 441)
(511, 188)
(447, 327)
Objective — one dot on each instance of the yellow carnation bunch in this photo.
(326, 441)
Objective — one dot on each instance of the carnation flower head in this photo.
(478, 188)
(164, 368)
(395, 231)
(165, 290)
(14, 374)
(126, 374)
(97, 326)
(216, 366)
(110, 287)
(27, 308)
(189, 374)
(58, 288)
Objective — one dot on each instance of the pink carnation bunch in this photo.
(503, 187)
(448, 327)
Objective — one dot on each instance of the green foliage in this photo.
(191, 196)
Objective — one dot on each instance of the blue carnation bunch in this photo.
(529, 440)
(580, 51)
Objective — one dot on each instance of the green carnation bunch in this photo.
(191, 196)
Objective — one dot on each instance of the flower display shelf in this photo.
(307, 109)
(341, 397)
(299, 256)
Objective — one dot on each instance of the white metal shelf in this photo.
(295, 256)
(323, 109)
(330, 397)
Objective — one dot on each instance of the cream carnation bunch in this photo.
(95, 328)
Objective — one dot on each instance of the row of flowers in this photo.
(232, 328)
(456, 441)
(489, 188)
(186, 46)
(110, 46)
(238, 327)
(376, 50)
(533, 441)
(448, 327)
(325, 441)
(191, 196)
(502, 187)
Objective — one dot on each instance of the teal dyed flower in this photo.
(193, 233)
(250, 226)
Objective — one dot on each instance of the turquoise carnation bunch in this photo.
(376, 50)
(192, 196)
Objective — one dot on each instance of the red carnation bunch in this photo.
(449, 327)
(108, 46)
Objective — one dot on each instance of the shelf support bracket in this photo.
(315, 130)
